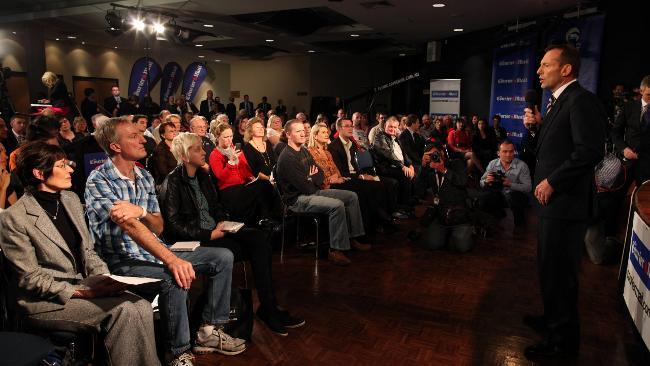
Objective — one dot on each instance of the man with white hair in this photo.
(199, 126)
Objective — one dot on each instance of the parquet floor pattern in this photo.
(400, 304)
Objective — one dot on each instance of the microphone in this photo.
(531, 98)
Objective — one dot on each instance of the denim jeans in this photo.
(342, 208)
(458, 237)
(215, 263)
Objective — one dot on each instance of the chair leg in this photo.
(282, 243)
(317, 232)
(297, 229)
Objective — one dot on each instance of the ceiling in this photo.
(240, 29)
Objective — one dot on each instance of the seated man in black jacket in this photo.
(300, 179)
(391, 161)
(191, 211)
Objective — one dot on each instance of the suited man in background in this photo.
(208, 106)
(115, 102)
(265, 106)
(231, 109)
(570, 145)
(247, 105)
(631, 133)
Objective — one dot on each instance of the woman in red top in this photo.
(242, 195)
(459, 144)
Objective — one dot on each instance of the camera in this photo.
(435, 156)
(499, 176)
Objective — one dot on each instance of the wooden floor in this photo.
(403, 305)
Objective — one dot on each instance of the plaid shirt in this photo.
(105, 186)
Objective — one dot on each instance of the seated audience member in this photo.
(17, 131)
(499, 132)
(221, 118)
(162, 162)
(87, 155)
(459, 143)
(344, 151)
(411, 141)
(439, 133)
(381, 119)
(244, 199)
(274, 129)
(484, 144)
(372, 205)
(191, 211)
(80, 126)
(427, 126)
(402, 125)
(507, 180)
(45, 240)
(155, 122)
(448, 222)
(238, 132)
(199, 126)
(391, 162)
(141, 121)
(359, 132)
(300, 182)
(10, 188)
(155, 130)
(44, 128)
(258, 150)
(125, 224)
(66, 135)
(307, 126)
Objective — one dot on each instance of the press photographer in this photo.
(448, 221)
(506, 183)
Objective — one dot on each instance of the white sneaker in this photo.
(220, 342)
(184, 359)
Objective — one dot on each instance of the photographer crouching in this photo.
(448, 221)
(507, 183)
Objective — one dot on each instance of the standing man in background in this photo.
(570, 145)
(114, 103)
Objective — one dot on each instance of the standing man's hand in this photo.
(532, 117)
(543, 192)
(629, 154)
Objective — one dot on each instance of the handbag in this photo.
(608, 172)
(241, 314)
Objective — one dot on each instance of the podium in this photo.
(634, 271)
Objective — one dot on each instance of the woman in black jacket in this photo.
(191, 211)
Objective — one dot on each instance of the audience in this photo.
(140, 121)
(258, 150)
(199, 126)
(45, 129)
(300, 180)
(499, 132)
(381, 119)
(50, 251)
(459, 143)
(125, 224)
(66, 135)
(191, 212)
(80, 126)
(360, 134)
(484, 143)
(17, 132)
(162, 162)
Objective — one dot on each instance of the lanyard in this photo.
(439, 182)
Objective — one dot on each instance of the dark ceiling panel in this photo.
(300, 22)
(17, 7)
(362, 45)
(251, 52)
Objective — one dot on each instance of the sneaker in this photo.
(337, 257)
(219, 342)
(360, 246)
(184, 359)
(290, 321)
(272, 321)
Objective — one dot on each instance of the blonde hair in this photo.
(219, 128)
(216, 122)
(182, 143)
(270, 121)
(49, 79)
(315, 129)
(248, 134)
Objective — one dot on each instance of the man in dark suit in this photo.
(231, 110)
(185, 105)
(89, 105)
(115, 102)
(208, 106)
(247, 106)
(631, 133)
(570, 144)
(16, 134)
(411, 140)
(265, 106)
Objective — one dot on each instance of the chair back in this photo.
(365, 161)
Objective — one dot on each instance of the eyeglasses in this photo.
(65, 163)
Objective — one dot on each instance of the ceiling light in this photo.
(115, 47)
(72, 37)
(311, 51)
(82, 42)
(14, 32)
(208, 25)
(114, 20)
(458, 29)
(354, 35)
(402, 54)
(217, 60)
(270, 40)
(159, 28)
(138, 24)
(57, 39)
(439, 5)
(198, 45)
(201, 56)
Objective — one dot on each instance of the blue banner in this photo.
(586, 34)
(194, 77)
(145, 73)
(171, 79)
(512, 75)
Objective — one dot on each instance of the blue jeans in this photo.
(215, 263)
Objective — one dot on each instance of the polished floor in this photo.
(403, 305)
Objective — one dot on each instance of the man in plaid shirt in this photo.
(125, 222)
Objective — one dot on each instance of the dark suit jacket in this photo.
(10, 143)
(412, 145)
(251, 108)
(341, 158)
(571, 143)
(384, 155)
(204, 109)
(626, 131)
(41, 260)
(110, 104)
(231, 111)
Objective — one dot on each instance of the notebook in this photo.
(185, 246)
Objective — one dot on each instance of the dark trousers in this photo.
(253, 245)
(372, 201)
(494, 201)
(559, 249)
(404, 185)
(248, 203)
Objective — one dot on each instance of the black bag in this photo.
(241, 314)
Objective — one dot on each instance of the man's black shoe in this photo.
(273, 322)
(536, 323)
(290, 321)
(547, 349)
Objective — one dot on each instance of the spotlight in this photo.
(114, 20)
(138, 24)
(159, 28)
